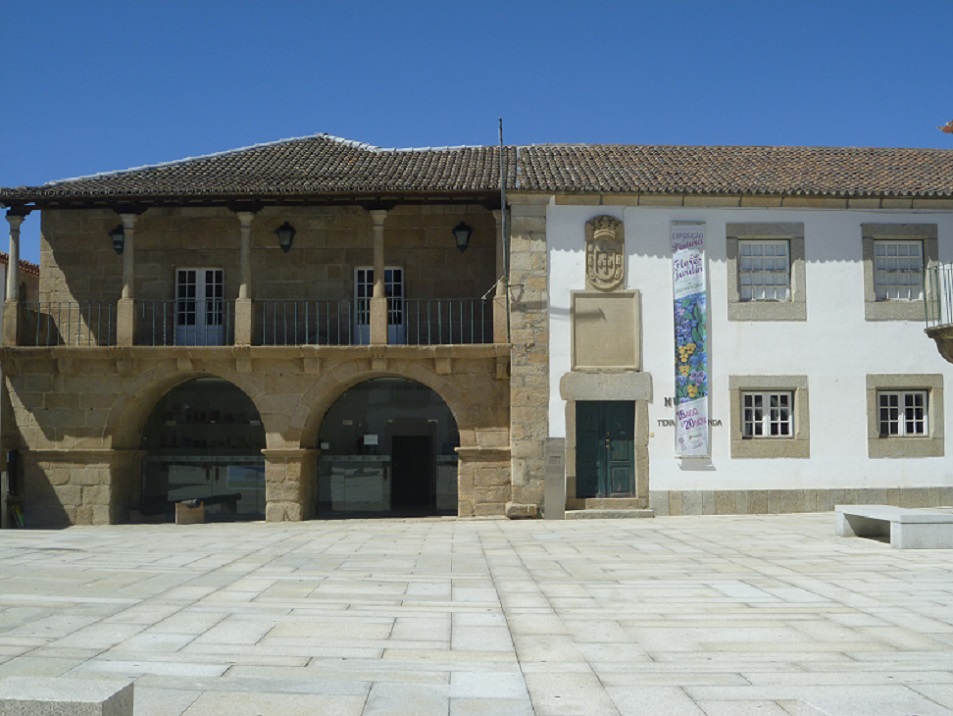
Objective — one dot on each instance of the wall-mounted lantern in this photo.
(286, 235)
(118, 236)
(461, 232)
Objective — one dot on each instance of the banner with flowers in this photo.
(691, 353)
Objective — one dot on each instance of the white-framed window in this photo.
(898, 270)
(764, 270)
(903, 413)
(200, 306)
(767, 414)
(394, 289)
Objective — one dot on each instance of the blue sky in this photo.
(109, 84)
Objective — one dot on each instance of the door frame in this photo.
(396, 306)
(605, 414)
(635, 386)
(200, 333)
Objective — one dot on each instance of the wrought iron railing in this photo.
(278, 322)
(455, 321)
(185, 323)
(938, 290)
(303, 323)
(58, 323)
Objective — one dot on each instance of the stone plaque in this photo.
(605, 254)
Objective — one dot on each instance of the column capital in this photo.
(15, 220)
(128, 220)
(245, 218)
(378, 215)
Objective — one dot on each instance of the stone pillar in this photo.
(11, 306)
(483, 486)
(529, 336)
(500, 318)
(80, 487)
(379, 299)
(15, 219)
(126, 310)
(290, 484)
(244, 313)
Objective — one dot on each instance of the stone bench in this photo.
(906, 528)
(192, 510)
(32, 696)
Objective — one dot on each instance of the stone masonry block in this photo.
(486, 477)
(489, 509)
(48, 696)
(95, 495)
(520, 511)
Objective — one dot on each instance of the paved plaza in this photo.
(711, 615)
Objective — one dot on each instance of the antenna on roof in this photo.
(505, 230)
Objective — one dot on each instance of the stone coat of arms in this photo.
(605, 254)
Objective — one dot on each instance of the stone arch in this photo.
(332, 384)
(128, 416)
(387, 447)
(203, 440)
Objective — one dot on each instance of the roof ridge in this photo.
(803, 147)
(210, 155)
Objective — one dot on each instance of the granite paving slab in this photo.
(711, 615)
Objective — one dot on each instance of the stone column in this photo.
(379, 299)
(290, 484)
(80, 486)
(529, 327)
(126, 310)
(500, 322)
(244, 313)
(11, 306)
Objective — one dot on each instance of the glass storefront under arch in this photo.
(388, 448)
(203, 442)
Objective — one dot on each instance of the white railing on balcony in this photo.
(938, 289)
(185, 323)
(59, 323)
(305, 323)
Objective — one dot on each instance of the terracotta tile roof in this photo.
(319, 164)
(814, 171)
(326, 165)
(25, 266)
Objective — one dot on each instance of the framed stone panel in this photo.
(606, 330)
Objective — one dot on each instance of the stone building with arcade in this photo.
(320, 328)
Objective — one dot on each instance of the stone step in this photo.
(608, 514)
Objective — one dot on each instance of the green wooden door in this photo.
(605, 464)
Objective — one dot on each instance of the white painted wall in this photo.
(836, 348)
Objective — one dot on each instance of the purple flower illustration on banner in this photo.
(691, 360)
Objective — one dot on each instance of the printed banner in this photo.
(691, 353)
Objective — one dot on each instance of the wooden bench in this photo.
(32, 695)
(905, 528)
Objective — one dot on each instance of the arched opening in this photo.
(388, 449)
(203, 442)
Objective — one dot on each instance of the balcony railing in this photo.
(305, 323)
(938, 289)
(185, 323)
(71, 324)
(429, 322)
(420, 322)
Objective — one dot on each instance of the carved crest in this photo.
(605, 253)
